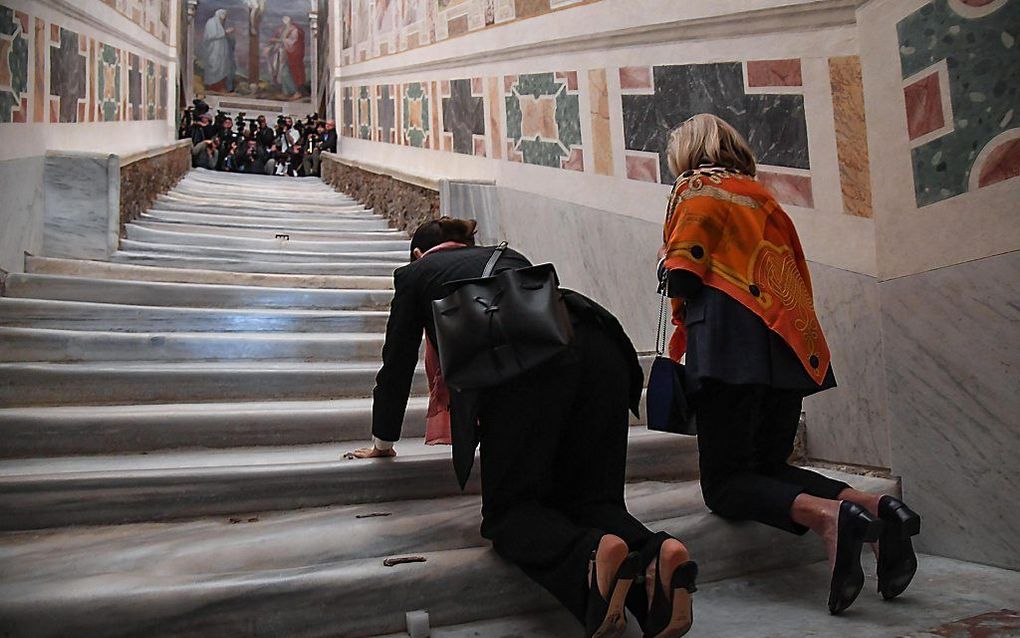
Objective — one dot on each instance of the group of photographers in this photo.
(221, 143)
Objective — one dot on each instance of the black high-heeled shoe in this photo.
(607, 617)
(855, 527)
(671, 614)
(897, 562)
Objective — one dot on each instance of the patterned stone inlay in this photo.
(464, 116)
(980, 52)
(13, 65)
(774, 125)
(387, 110)
(108, 87)
(851, 135)
(543, 120)
(364, 113)
(416, 115)
(67, 76)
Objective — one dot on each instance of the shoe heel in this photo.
(872, 530)
(909, 522)
(686, 576)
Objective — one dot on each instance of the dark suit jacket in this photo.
(416, 286)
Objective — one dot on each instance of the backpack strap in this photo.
(496, 254)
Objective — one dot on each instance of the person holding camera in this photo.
(206, 154)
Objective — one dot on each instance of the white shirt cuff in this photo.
(379, 444)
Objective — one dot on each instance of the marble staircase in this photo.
(172, 424)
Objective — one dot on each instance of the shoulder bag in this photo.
(494, 328)
(667, 404)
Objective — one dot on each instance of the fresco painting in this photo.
(254, 48)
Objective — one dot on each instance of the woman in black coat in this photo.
(553, 448)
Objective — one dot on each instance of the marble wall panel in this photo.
(81, 195)
(416, 114)
(135, 87)
(151, 15)
(849, 424)
(543, 120)
(21, 212)
(67, 75)
(370, 30)
(386, 130)
(14, 65)
(108, 83)
(952, 339)
(972, 58)
(364, 112)
(601, 132)
(463, 109)
(851, 134)
(774, 124)
(347, 101)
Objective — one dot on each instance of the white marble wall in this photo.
(82, 202)
(849, 423)
(21, 211)
(952, 340)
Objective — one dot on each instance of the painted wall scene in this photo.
(253, 48)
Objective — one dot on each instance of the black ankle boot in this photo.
(897, 562)
(855, 527)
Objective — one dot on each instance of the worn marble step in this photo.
(270, 192)
(163, 260)
(66, 346)
(141, 233)
(60, 491)
(125, 383)
(218, 178)
(221, 274)
(332, 213)
(312, 224)
(270, 232)
(320, 573)
(155, 293)
(398, 257)
(88, 430)
(79, 315)
(321, 205)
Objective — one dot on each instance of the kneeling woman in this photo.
(745, 317)
(553, 448)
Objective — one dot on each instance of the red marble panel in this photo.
(570, 77)
(636, 77)
(766, 73)
(643, 169)
(789, 189)
(924, 106)
(575, 162)
(20, 116)
(508, 83)
(457, 26)
(41, 72)
(476, 86)
(479, 146)
(1003, 163)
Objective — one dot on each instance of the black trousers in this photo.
(553, 461)
(745, 436)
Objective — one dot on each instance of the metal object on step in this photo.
(403, 560)
(418, 624)
(283, 236)
(374, 515)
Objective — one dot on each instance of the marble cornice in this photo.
(813, 15)
(163, 52)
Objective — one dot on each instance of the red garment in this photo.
(293, 40)
(437, 418)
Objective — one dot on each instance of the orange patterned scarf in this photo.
(726, 228)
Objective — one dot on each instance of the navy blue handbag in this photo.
(667, 404)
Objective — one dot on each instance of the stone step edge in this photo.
(356, 587)
(129, 272)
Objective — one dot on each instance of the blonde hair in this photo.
(707, 139)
